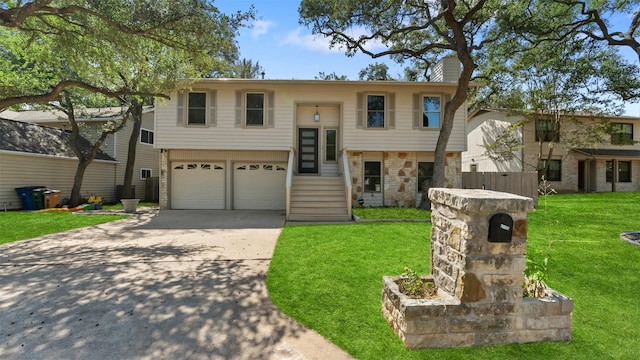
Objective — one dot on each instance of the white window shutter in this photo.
(212, 108)
(180, 115)
(390, 123)
(270, 113)
(360, 113)
(417, 111)
(239, 98)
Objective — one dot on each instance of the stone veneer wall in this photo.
(400, 179)
(164, 179)
(479, 282)
(400, 176)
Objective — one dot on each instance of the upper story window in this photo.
(375, 111)
(196, 108)
(547, 130)
(431, 111)
(254, 109)
(427, 111)
(622, 134)
(146, 136)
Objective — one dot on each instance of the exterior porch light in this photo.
(316, 116)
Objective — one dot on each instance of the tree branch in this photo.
(54, 94)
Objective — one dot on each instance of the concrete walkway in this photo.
(168, 285)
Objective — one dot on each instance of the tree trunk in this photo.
(136, 115)
(76, 197)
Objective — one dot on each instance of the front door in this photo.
(307, 151)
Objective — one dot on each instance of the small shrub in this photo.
(412, 285)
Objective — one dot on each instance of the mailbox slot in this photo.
(500, 228)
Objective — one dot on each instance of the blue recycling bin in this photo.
(26, 196)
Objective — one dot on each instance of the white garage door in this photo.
(259, 186)
(197, 185)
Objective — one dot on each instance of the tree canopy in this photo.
(49, 46)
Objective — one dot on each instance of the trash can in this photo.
(26, 196)
(38, 198)
(51, 198)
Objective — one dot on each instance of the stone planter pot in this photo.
(130, 205)
(447, 322)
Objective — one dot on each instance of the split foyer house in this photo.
(612, 165)
(147, 164)
(309, 147)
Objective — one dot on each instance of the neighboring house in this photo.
(610, 166)
(147, 157)
(309, 147)
(35, 155)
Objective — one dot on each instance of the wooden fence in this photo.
(519, 183)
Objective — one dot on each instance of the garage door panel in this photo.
(197, 185)
(259, 186)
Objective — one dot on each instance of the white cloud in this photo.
(261, 27)
(321, 43)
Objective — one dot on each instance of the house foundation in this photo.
(478, 248)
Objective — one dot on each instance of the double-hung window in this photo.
(553, 171)
(372, 176)
(255, 109)
(195, 108)
(427, 111)
(375, 111)
(547, 130)
(146, 136)
(622, 134)
(431, 111)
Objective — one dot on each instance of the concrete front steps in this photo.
(318, 198)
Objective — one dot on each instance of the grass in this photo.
(328, 277)
(391, 213)
(17, 225)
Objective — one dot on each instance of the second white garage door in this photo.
(259, 186)
(197, 185)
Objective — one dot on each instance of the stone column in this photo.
(464, 263)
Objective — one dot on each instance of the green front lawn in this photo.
(18, 225)
(329, 277)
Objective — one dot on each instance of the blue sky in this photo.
(287, 50)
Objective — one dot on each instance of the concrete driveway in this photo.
(161, 285)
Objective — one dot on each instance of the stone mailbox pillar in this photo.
(465, 263)
(478, 249)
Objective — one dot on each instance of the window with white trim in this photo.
(145, 173)
(196, 108)
(331, 145)
(375, 110)
(427, 111)
(372, 176)
(431, 111)
(146, 136)
(255, 109)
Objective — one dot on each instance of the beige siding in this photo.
(147, 156)
(483, 130)
(446, 70)
(225, 135)
(20, 170)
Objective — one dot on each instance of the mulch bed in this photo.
(631, 237)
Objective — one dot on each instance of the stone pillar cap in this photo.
(476, 200)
